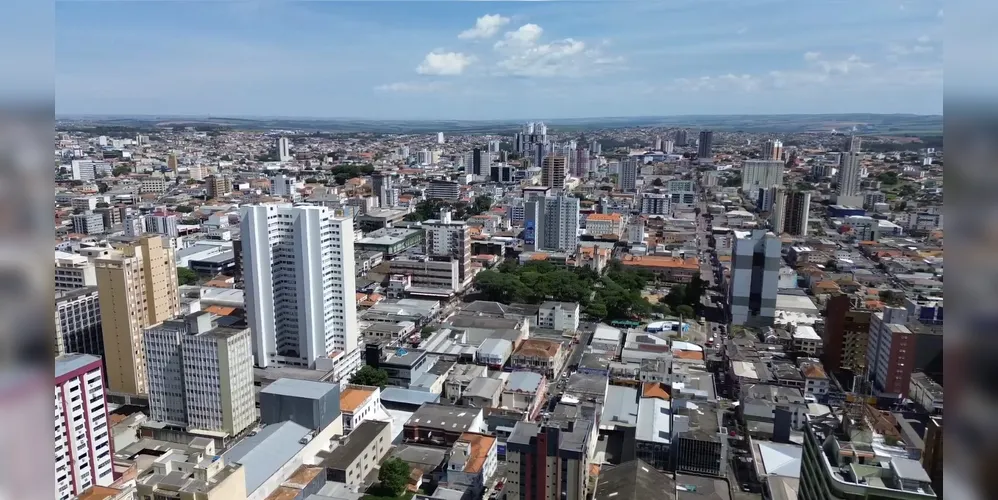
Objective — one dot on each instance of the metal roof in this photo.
(306, 389)
(265, 453)
(70, 362)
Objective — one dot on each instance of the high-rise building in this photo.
(668, 147)
(552, 223)
(682, 138)
(849, 169)
(776, 196)
(200, 375)
(762, 174)
(440, 137)
(790, 211)
(78, 323)
(284, 185)
(73, 271)
(494, 147)
(218, 186)
(383, 186)
(705, 145)
(84, 448)
(655, 204)
(628, 179)
(755, 274)
(162, 223)
(845, 458)
(549, 461)
(596, 147)
(844, 339)
(636, 231)
(284, 149)
(298, 265)
(443, 190)
(171, 164)
(137, 285)
(890, 352)
(772, 150)
(658, 143)
(553, 171)
(88, 223)
(424, 157)
(451, 240)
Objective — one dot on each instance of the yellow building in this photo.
(137, 286)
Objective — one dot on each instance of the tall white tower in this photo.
(298, 264)
(849, 170)
(440, 137)
(284, 149)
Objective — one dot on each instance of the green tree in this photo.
(394, 475)
(368, 375)
(481, 205)
(685, 311)
(597, 310)
(102, 204)
(186, 276)
(184, 209)
(888, 178)
(121, 170)
(735, 181)
(426, 331)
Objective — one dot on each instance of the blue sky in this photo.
(498, 60)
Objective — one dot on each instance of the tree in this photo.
(427, 331)
(184, 209)
(481, 205)
(102, 187)
(685, 311)
(186, 276)
(888, 178)
(734, 181)
(368, 375)
(394, 475)
(657, 182)
(596, 310)
(121, 170)
(102, 204)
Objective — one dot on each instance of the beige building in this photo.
(201, 475)
(137, 285)
(553, 172)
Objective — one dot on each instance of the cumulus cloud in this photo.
(523, 54)
(410, 87)
(486, 26)
(444, 63)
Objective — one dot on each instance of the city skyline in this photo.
(503, 60)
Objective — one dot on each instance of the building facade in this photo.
(451, 240)
(84, 448)
(552, 223)
(755, 273)
(78, 323)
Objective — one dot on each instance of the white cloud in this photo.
(444, 63)
(812, 56)
(411, 87)
(727, 83)
(486, 26)
(522, 53)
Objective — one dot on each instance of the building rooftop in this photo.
(263, 454)
(305, 389)
(408, 396)
(634, 480)
(524, 381)
(481, 445)
(777, 459)
(69, 363)
(689, 263)
(538, 348)
(354, 445)
(483, 387)
(443, 417)
(353, 396)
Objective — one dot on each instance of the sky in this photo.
(483, 60)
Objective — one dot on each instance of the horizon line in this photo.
(493, 120)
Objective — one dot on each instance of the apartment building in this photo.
(548, 462)
(88, 223)
(552, 223)
(137, 286)
(450, 239)
(890, 354)
(200, 376)
(78, 322)
(472, 463)
(358, 453)
(73, 271)
(563, 316)
(553, 172)
(545, 357)
(605, 225)
(755, 270)
(83, 445)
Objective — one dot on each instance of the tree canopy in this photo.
(393, 476)
(186, 276)
(343, 173)
(368, 375)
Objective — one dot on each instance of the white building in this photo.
(298, 263)
(152, 184)
(655, 204)
(758, 174)
(563, 316)
(849, 170)
(682, 193)
(628, 179)
(73, 271)
(88, 170)
(448, 238)
(83, 444)
(88, 223)
(473, 461)
(284, 149)
(806, 340)
(440, 137)
(200, 376)
(552, 223)
(162, 223)
(755, 274)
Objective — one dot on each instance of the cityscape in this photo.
(728, 305)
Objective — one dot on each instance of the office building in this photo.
(196, 473)
(668, 147)
(152, 184)
(84, 448)
(424, 157)
(682, 192)
(772, 150)
(200, 375)
(285, 186)
(284, 149)
(502, 173)
(549, 462)
(217, 186)
(443, 190)
(847, 180)
(478, 162)
(705, 145)
(88, 223)
(552, 223)
(162, 223)
(682, 138)
(846, 459)
(137, 285)
(755, 270)
(298, 265)
(450, 240)
(844, 339)
(766, 199)
(890, 352)
(761, 174)
(494, 147)
(383, 187)
(73, 271)
(553, 171)
(88, 170)
(655, 204)
(628, 179)
(78, 323)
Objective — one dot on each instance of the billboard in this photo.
(528, 233)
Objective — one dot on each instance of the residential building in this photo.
(890, 354)
(755, 270)
(152, 184)
(73, 271)
(847, 180)
(202, 475)
(844, 338)
(563, 316)
(791, 212)
(772, 149)
(761, 174)
(200, 375)
(137, 286)
(705, 145)
(83, 445)
(926, 392)
(217, 186)
(472, 463)
(88, 223)
(443, 190)
(88, 170)
(682, 193)
(162, 223)
(804, 339)
(298, 266)
(442, 425)
(845, 459)
(525, 392)
(545, 357)
(627, 181)
(284, 149)
(78, 323)
(552, 223)
(426, 273)
(932, 456)
(656, 204)
(285, 186)
(358, 404)
(553, 172)
(549, 462)
(450, 240)
(816, 382)
(358, 453)
(611, 225)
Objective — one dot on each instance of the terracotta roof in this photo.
(352, 397)
(692, 355)
(654, 390)
(538, 348)
(98, 493)
(691, 263)
(220, 310)
(481, 445)
(604, 217)
(813, 370)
